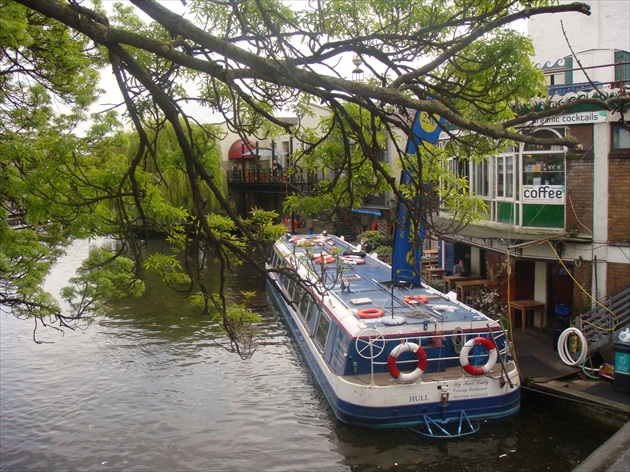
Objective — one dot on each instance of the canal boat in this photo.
(390, 353)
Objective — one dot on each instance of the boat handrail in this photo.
(496, 334)
(425, 309)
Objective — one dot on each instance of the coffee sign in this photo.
(543, 194)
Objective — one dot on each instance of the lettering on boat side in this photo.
(418, 398)
(471, 388)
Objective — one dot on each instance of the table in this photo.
(433, 274)
(524, 306)
(431, 262)
(468, 286)
(451, 279)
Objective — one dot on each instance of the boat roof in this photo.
(333, 262)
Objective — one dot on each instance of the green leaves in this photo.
(354, 144)
(101, 278)
(492, 74)
(251, 61)
(24, 264)
(45, 52)
(170, 269)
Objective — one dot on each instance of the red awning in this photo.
(240, 149)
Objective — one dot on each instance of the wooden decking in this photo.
(542, 370)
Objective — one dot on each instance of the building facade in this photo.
(560, 218)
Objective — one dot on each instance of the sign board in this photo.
(543, 194)
(582, 118)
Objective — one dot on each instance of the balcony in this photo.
(269, 181)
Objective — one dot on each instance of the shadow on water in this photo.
(161, 313)
(536, 439)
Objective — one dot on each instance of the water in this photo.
(150, 387)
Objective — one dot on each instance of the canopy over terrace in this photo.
(248, 150)
(266, 153)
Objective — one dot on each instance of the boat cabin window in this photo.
(322, 331)
(290, 287)
(299, 294)
(311, 316)
(304, 304)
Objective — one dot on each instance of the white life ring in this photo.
(393, 320)
(563, 347)
(492, 356)
(407, 376)
(352, 261)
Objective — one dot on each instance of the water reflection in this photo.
(148, 388)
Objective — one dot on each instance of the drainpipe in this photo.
(596, 290)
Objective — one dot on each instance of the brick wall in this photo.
(579, 198)
(619, 199)
(618, 277)
(583, 274)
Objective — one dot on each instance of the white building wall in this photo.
(540, 290)
(608, 27)
(601, 143)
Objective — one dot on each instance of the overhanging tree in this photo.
(250, 59)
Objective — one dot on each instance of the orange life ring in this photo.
(326, 259)
(407, 376)
(413, 300)
(370, 313)
(492, 356)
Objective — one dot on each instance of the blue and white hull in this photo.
(385, 354)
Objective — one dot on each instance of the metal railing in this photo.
(603, 322)
(297, 182)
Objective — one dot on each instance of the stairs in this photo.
(599, 326)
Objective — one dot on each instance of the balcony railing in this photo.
(298, 183)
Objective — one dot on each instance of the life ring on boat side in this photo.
(370, 313)
(492, 356)
(413, 300)
(407, 376)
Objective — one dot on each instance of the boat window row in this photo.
(316, 320)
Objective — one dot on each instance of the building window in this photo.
(480, 179)
(622, 67)
(543, 165)
(543, 183)
(620, 136)
(524, 186)
(505, 210)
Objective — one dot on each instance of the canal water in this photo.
(150, 387)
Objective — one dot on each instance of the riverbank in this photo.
(612, 456)
(543, 370)
(595, 400)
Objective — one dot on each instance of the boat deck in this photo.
(369, 286)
